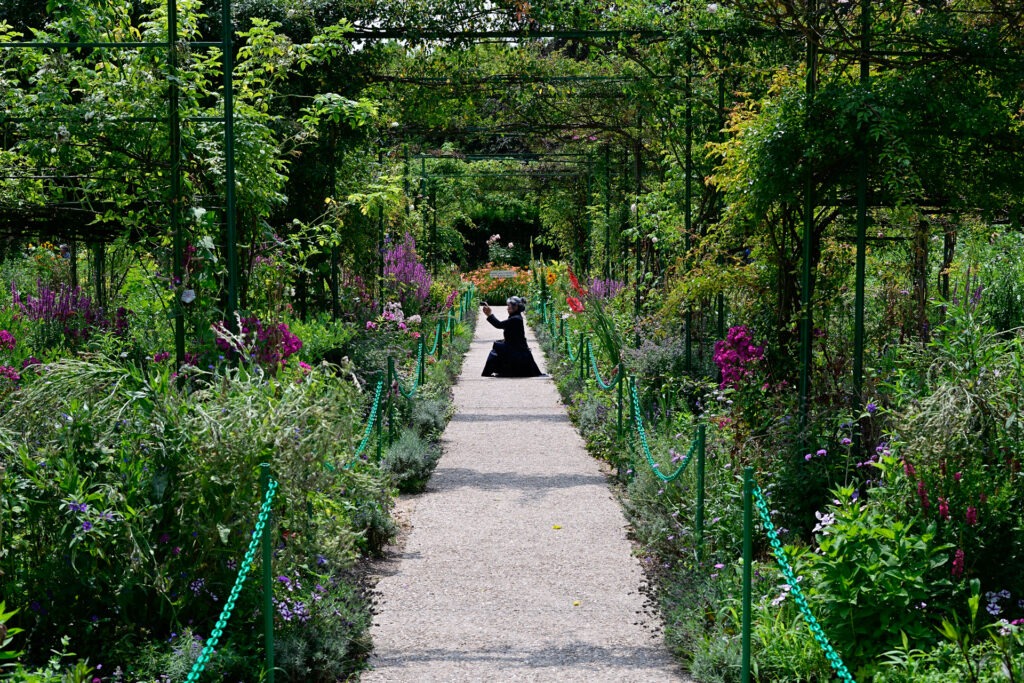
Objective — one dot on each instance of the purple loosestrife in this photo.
(7, 340)
(402, 267)
(958, 564)
(69, 310)
(605, 289)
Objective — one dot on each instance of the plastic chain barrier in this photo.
(367, 431)
(597, 374)
(416, 382)
(568, 348)
(639, 421)
(437, 338)
(243, 572)
(794, 589)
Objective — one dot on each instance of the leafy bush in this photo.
(127, 502)
(873, 576)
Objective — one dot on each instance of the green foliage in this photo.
(127, 501)
(410, 461)
(872, 578)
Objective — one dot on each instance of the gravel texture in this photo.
(515, 565)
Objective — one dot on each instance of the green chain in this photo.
(369, 425)
(794, 589)
(416, 381)
(568, 347)
(437, 338)
(243, 572)
(639, 422)
(597, 374)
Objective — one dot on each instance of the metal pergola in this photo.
(864, 54)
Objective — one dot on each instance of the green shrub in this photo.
(410, 461)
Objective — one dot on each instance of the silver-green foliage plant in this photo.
(410, 461)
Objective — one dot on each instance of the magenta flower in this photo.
(958, 564)
(7, 340)
(923, 495)
(735, 356)
(943, 508)
(10, 374)
(370, 325)
(972, 515)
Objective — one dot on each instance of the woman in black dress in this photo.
(511, 357)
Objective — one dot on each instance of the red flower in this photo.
(576, 283)
(575, 305)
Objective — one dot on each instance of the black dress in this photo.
(511, 357)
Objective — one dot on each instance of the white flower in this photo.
(188, 296)
(414, 320)
(713, 7)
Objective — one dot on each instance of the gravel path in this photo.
(516, 566)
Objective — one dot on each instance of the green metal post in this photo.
(720, 298)
(622, 380)
(433, 228)
(268, 579)
(607, 213)
(174, 134)
(698, 523)
(391, 403)
(231, 229)
(440, 340)
(99, 269)
(748, 559)
(688, 192)
(380, 257)
(862, 220)
(805, 275)
(636, 224)
(583, 359)
(561, 327)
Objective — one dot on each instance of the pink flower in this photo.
(958, 564)
(923, 495)
(972, 515)
(370, 325)
(943, 508)
(908, 469)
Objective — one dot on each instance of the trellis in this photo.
(869, 50)
(174, 194)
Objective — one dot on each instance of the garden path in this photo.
(516, 566)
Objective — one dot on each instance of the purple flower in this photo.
(845, 441)
(86, 526)
(871, 408)
(7, 340)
